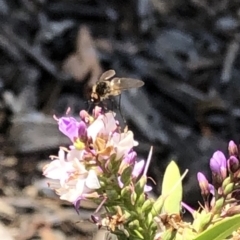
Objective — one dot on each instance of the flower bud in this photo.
(138, 168)
(228, 189)
(218, 205)
(203, 184)
(133, 198)
(82, 130)
(138, 231)
(232, 149)
(147, 205)
(218, 165)
(139, 186)
(134, 224)
(226, 182)
(204, 218)
(233, 164)
(233, 211)
(140, 200)
(86, 117)
(130, 157)
(83, 114)
(126, 193)
(97, 111)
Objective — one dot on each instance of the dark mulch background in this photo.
(52, 52)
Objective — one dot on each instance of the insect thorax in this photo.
(102, 88)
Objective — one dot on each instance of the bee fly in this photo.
(108, 86)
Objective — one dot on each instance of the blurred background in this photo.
(53, 52)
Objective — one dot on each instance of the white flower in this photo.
(122, 143)
(104, 124)
(59, 169)
(78, 187)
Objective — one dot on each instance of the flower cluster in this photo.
(222, 196)
(100, 165)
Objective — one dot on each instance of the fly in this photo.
(108, 86)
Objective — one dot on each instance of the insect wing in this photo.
(125, 83)
(107, 75)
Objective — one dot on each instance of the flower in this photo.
(233, 164)
(74, 180)
(59, 169)
(203, 183)
(232, 149)
(218, 164)
(103, 125)
(101, 166)
(128, 160)
(73, 129)
(138, 168)
(122, 142)
(79, 187)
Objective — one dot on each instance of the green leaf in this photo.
(222, 229)
(172, 189)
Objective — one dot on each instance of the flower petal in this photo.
(92, 181)
(138, 168)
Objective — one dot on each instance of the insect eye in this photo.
(101, 88)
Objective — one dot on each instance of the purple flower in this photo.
(69, 127)
(130, 158)
(73, 129)
(218, 164)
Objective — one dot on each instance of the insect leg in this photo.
(90, 106)
(120, 111)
